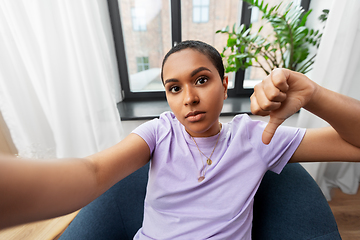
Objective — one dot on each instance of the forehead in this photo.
(186, 60)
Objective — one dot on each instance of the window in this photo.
(200, 11)
(142, 63)
(144, 31)
(138, 18)
(217, 20)
(254, 75)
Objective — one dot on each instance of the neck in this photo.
(216, 129)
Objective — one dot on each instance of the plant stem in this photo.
(271, 67)
(281, 52)
(304, 66)
(266, 71)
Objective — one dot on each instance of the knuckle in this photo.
(273, 94)
(257, 87)
(267, 105)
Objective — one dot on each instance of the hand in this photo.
(280, 95)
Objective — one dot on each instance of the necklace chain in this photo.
(208, 159)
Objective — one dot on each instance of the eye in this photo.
(174, 89)
(201, 80)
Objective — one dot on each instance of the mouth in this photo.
(194, 116)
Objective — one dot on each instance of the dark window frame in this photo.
(175, 11)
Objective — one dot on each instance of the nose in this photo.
(190, 96)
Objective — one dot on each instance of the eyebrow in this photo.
(193, 73)
(170, 80)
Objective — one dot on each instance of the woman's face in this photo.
(194, 91)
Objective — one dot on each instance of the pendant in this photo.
(208, 161)
(201, 178)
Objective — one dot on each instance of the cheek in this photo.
(173, 103)
(217, 94)
(217, 99)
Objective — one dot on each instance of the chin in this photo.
(197, 130)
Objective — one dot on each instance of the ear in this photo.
(225, 84)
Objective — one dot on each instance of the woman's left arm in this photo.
(284, 92)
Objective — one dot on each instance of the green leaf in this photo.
(242, 48)
(266, 6)
(267, 46)
(278, 6)
(231, 42)
(240, 28)
(304, 18)
(260, 28)
(242, 55)
(246, 32)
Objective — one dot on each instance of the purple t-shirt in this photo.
(177, 206)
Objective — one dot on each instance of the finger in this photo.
(264, 103)
(279, 78)
(270, 129)
(255, 108)
(272, 92)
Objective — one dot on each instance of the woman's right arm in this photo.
(32, 190)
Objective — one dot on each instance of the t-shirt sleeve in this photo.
(147, 131)
(281, 148)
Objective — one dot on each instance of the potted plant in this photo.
(287, 46)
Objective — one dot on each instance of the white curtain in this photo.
(58, 77)
(337, 68)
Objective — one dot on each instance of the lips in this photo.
(194, 113)
(194, 116)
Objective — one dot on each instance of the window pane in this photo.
(218, 15)
(204, 14)
(138, 19)
(196, 15)
(205, 2)
(147, 36)
(197, 2)
(254, 75)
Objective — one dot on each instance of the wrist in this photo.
(315, 97)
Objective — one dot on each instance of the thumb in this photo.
(270, 129)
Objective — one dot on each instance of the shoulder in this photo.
(243, 124)
(159, 127)
(253, 129)
(165, 120)
(244, 119)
